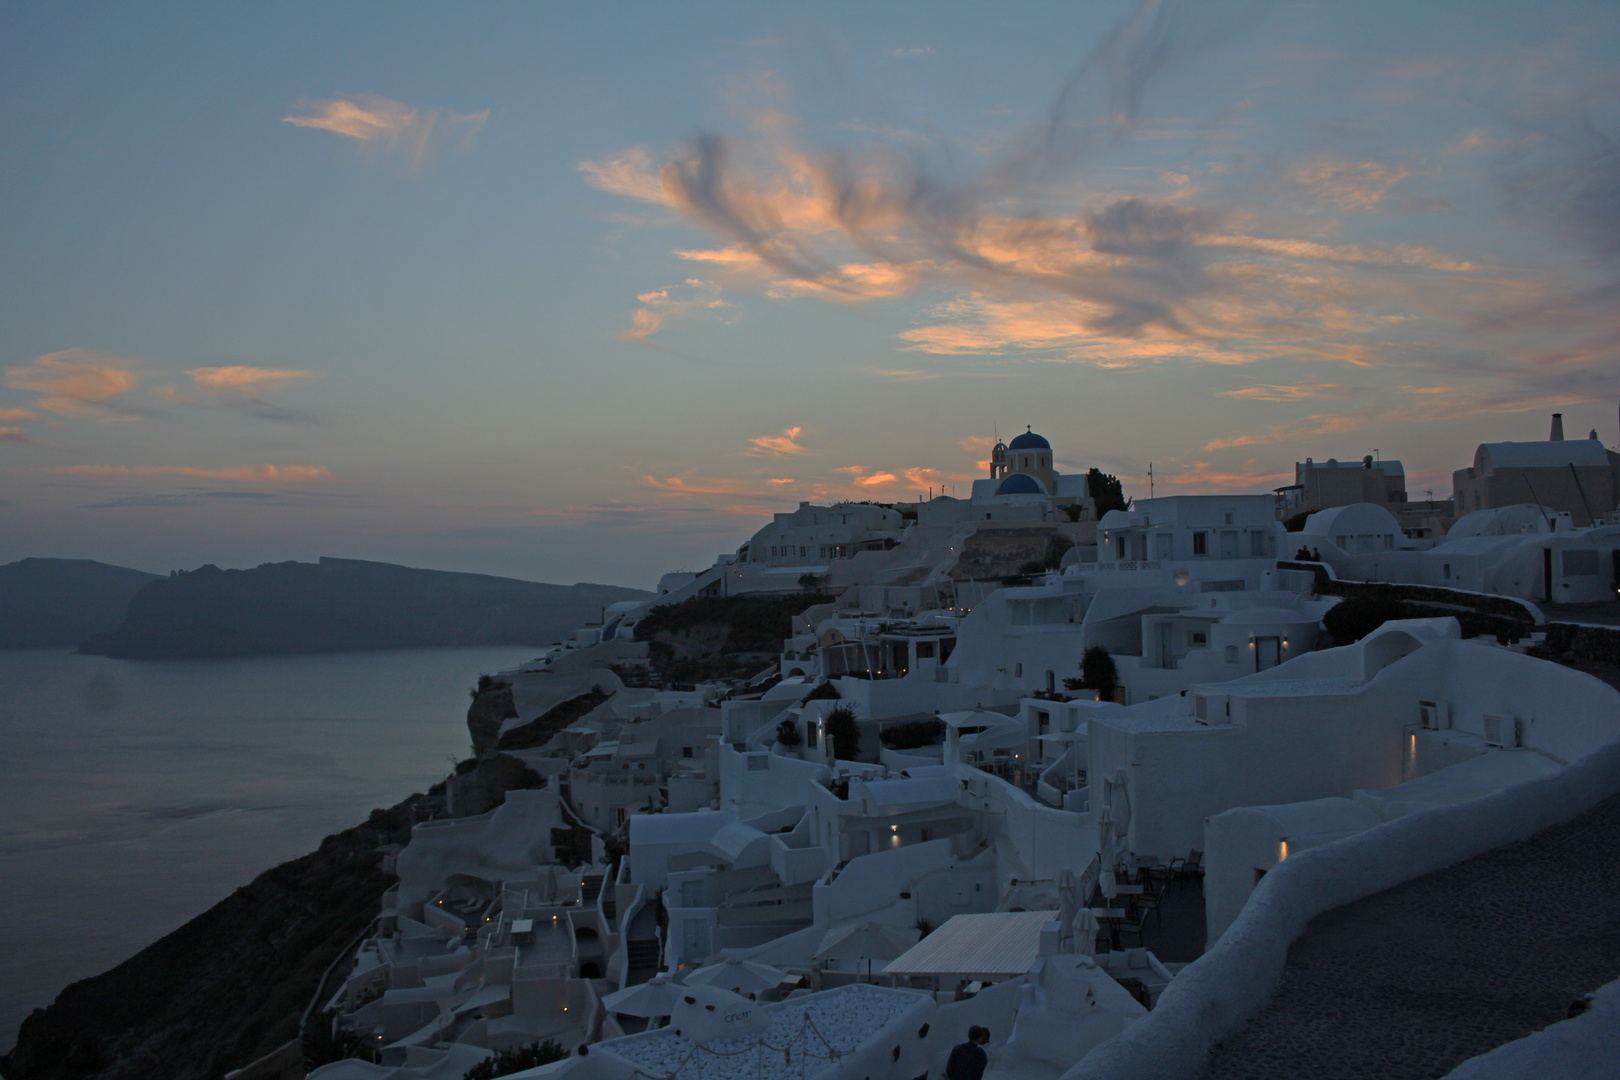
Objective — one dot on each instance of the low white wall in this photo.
(1234, 980)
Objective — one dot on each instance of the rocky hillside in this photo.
(344, 604)
(63, 601)
(225, 988)
(710, 636)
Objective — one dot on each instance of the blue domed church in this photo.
(1023, 485)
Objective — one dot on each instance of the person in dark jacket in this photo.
(967, 1060)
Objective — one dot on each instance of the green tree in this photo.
(516, 1059)
(845, 735)
(1097, 672)
(1354, 618)
(1106, 491)
(787, 733)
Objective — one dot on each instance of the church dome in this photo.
(1029, 441)
(1020, 483)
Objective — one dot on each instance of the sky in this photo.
(585, 292)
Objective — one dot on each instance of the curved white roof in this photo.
(1503, 521)
(1543, 455)
(1357, 519)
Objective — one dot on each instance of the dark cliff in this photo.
(344, 604)
(227, 987)
(63, 601)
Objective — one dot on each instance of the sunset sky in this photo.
(585, 292)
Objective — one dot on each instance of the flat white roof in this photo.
(997, 944)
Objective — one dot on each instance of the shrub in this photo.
(845, 736)
(912, 734)
(1097, 672)
(515, 1059)
(1354, 618)
(823, 692)
(787, 733)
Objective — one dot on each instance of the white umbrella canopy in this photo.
(866, 941)
(1085, 932)
(655, 997)
(738, 976)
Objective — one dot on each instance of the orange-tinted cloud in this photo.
(383, 123)
(1349, 185)
(13, 435)
(266, 473)
(75, 382)
(779, 445)
(1298, 392)
(244, 380)
(631, 174)
(1310, 425)
(1202, 474)
(17, 414)
(660, 305)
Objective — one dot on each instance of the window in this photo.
(801, 553)
(810, 730)
(1226, 518)
(686, 751)
(1018, 671)
(759, 762)
(925, 650)
(1445, 571)
(1197, 637)
(1200, 543)
(1051, 682)
(1231, 654)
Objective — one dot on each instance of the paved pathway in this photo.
(1413, 981)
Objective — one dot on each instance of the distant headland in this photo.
(291, 607)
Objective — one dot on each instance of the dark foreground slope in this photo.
(46, 602)
(227, 987)
(344, 604)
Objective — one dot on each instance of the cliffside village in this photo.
(1021, 759)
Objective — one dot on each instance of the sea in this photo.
(135, 794)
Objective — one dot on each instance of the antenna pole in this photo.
(1150, 479)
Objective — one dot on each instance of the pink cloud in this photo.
(779, 445)
(264, 473)
(75, 382)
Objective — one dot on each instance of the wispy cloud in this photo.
(245, 380)
(1275, 433)
(1032, 255)
(75, 382)
(661, 305)
(631, 173)
(779, 445)
(1297, 392)
(1349, 185)
(381, 124)
(1252, 477)
(912, 50)
(258, 473)
(17, 414)
(12, 435)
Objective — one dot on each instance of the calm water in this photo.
(135, 794)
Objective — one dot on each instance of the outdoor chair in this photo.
(1190, 867)
(1132, 927)
(1152, 896)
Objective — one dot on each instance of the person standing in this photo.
(968, 1060)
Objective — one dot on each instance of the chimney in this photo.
(1557, 428)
